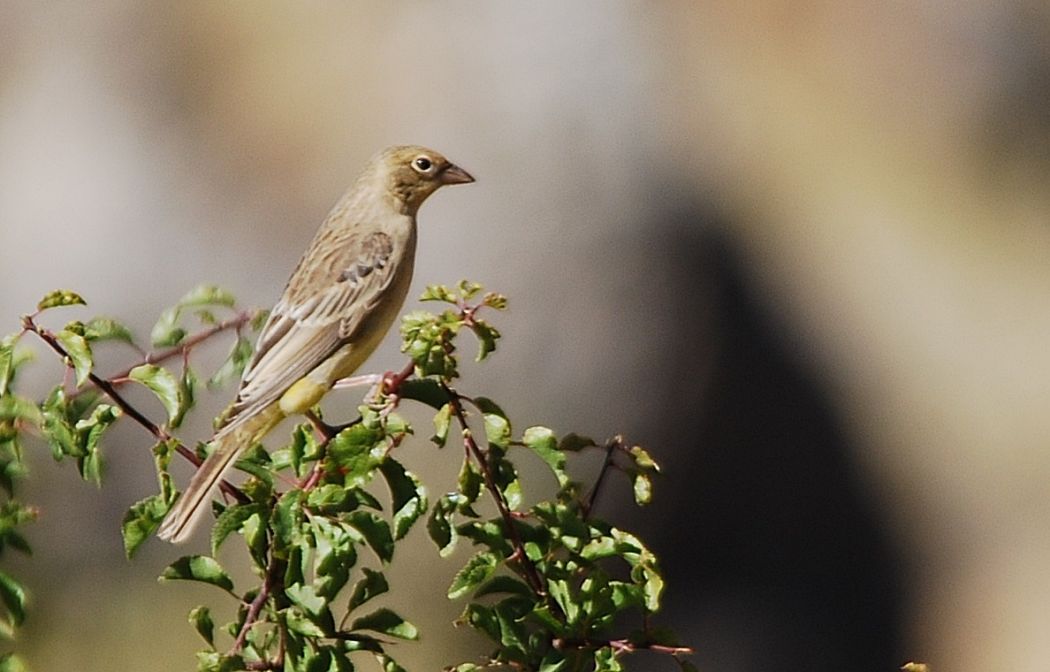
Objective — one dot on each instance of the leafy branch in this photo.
(550, 585)
(71, 345)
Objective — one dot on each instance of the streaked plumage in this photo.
(338, 304)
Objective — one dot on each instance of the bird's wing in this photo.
(337, 283)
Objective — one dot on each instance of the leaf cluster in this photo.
(551, 586)
(74, 416)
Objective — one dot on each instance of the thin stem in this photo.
(153, 428)
(235, 322)
(531, 574)
(271, 582)
(182, 349)
(621, 646)
(610, 449)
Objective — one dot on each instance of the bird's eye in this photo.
(422, 164)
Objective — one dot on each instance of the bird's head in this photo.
(412, 173)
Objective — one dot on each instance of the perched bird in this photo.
(339, 303)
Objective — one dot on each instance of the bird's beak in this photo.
(453, 174)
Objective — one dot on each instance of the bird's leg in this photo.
(382, 392)
(387, 390)
(357, 381)
(392, 381)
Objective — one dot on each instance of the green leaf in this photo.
(572, 443)
(504, 584)
(494, 300)
(438, 293)
(60, 297)
(554, 661)
(207, 295)
(233, 367)
(187, 395)
(313, 605)
(106, 329)
(497, 426)
(299, 622)
(286, 521)
(442, 422)
(357, 452)
(542, 441)
(376, 532)
(56, 427)
(14, 408)
(408, 495)
(643, 459)
(7, 356)
(605, 660)
(162, 383)
(513, 637)
(388, 664)
(439, 524)
(213, 661)
(424, 390)
(473, 574)
(333, 498)
(512, 493)
(644, 571)
(604, 547)
(487, 336)
(561, 592)
(482, 618)
(373, 584)
(79, 353)
(388, 623)
(231, 520)
(428, 340)
(167, 332)
(259, 319)
(304, 448)
(335, 555)
(643, 489)
(487, 533)
(13, 596)
(198, 568)
(470, 482)
(200, 619)
(141, 521)
(468, 289)
(256, 461)
(11, 662)
(89, 433)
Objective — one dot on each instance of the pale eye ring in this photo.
(422, 164)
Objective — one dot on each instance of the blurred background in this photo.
(797, 249)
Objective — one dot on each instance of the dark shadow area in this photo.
(775, 556)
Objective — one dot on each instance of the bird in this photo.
(339, 302)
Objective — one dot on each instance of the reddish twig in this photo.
(271, 583)
(153, 428)
(236, 322)
(529, 571)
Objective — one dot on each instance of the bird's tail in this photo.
(227, 444)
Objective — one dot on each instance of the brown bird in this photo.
(339, 303)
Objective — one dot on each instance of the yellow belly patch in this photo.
(302, 396)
